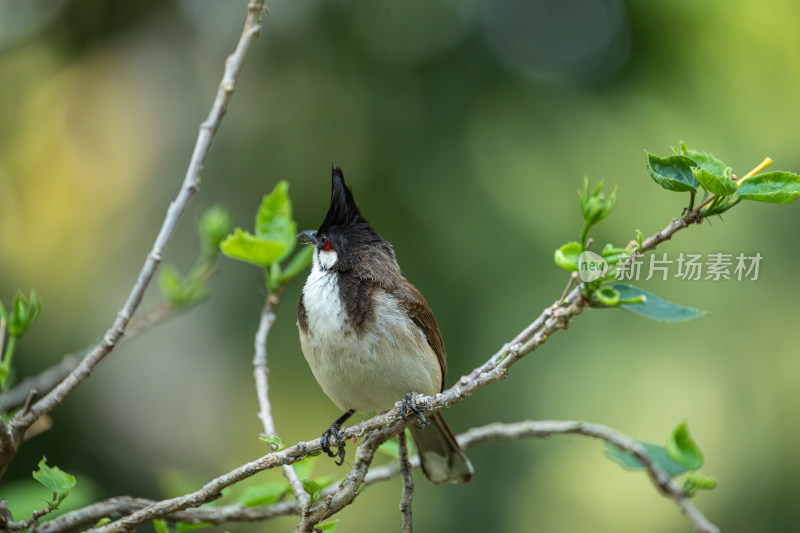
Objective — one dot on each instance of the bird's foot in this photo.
(409, 408)
(331, 437)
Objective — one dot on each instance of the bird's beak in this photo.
(310, 236)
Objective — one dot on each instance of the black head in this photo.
(344, 231)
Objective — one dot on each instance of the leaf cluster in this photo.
(688, 170)
(273, 240)
(184, 292)
(680, 457)
(55, 479)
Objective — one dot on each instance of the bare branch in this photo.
(408, 483)
(260, 369)
(260, 372)
(546, 428)
(25, 524)
(115, 507)
(22, 421)
(348, 489)
(211, 490)
(87, 517)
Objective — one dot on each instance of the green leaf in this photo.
(673, 173)
(696, 480)
(214, 225)
(607, 296)
(296, 264)
(181, 292)
(595, 206)
(265, 494)
(772, 187)
(312, 489)
(26, 495)
(102, 522)
(182, 527)
(653, 306)
(161, 526)
(657, 454)
(328, 527)
(719, 185)
(683, 449)
(304, 467)
(274, 219)
(54, 478)
(247, 247)
(272, 440)
(567, 256)
(705, 161)
(23, 313)
(614, 255)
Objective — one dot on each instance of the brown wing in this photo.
(420, 313)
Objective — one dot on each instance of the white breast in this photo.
(371, 370)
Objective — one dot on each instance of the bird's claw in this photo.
(332, 434)
(409, 408)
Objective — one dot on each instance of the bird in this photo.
(370, 337)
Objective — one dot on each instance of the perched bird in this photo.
(370, 337)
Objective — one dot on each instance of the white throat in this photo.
(326, 259)
(321, 295)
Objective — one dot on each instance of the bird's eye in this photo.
(326, 246)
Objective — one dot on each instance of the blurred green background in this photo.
(464, 129)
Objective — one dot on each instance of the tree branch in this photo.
(408, 483)
(29, 522)
(211, 490)
(546, 428)
(88, 516)
(348, 490)
(22, 421)
(260, 372)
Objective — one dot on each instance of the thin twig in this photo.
(29, 522)
(260, 373)
(21, 422)
(29, 400)
(5, 433)
(408, 483)
(2, 338)
(573, 279)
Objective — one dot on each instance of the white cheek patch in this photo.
(327, 259)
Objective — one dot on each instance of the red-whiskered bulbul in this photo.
(369, 336)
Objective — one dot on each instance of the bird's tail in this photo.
(441, 457)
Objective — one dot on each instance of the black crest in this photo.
(343, 210)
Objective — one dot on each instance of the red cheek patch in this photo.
(327, 246)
